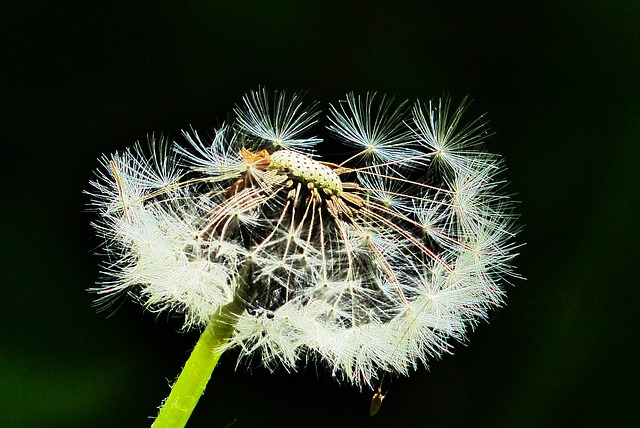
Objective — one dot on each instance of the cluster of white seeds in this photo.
(369, 263)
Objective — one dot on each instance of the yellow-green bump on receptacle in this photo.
(303, 168)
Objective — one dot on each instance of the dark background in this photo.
(560, 81)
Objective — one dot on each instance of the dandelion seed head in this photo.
(376, 264)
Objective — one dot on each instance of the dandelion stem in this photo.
(191, 383)
(195, 375)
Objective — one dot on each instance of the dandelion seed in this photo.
(368, 264)
(376, 402)
(276, 119)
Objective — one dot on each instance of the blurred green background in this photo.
(560, 81)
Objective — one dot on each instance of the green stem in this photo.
(195, 375)
(186, 391)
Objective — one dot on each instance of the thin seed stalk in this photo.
(190, 385)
